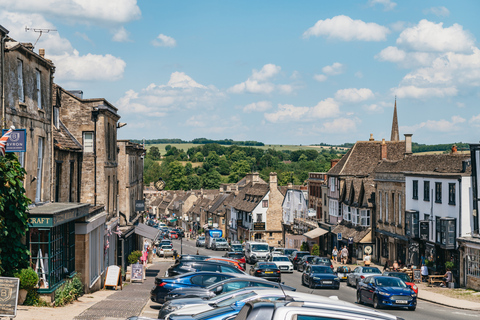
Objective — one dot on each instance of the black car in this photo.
(195, 265)
(305, 261)
(223, 287)
(266, 270)
(288, 251)
(189, 257)
(180, 232)
(320, 276)
(323, 261)
(296, 257)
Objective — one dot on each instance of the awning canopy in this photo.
(315, 233)
(147, 232)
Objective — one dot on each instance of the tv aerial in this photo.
(39, 30)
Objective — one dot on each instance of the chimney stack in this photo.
(371, 137)
(408, 144)
(273, 180)
(333, 162)
(384, 150)
(41, 52)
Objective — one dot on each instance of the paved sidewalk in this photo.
(426, 295)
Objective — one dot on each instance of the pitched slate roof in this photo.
(364, 156)
(427, 163)
(63, 139)
(217, 204)
(250, 196)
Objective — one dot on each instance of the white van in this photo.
(256, 251)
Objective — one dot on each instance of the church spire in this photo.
(395, 134)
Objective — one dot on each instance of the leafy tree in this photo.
(315, 250)
(224, 167)
(238, 170)
(198, 157)
(168, 147)
(176, 179)
(152, 171)
(194, 182)
(13, 216)
(212, 179)
(213, 159)
(303, 157)
(304, 246)
(154, 153)
(238, 155)
(188, 169)
(285, 177)
(201, 171)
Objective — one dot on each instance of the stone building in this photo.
(27, 79)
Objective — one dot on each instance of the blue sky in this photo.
(280, 72)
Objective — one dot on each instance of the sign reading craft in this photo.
(8, 296)
(17, 141)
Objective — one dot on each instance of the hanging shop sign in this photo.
(17, 142)
(424, 230)
(139, 205)
(259, 226)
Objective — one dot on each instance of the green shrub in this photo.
(28, 278)
(69, 291)
(449, 265)
(32, 298)
(134, 256)
(304, 247)
(315, 250)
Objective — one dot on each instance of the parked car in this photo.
(165, 242)
(282, 262)
(188, 257)
(238, 256)
(180, 232)
(288, 252)
(200, 241)
(329, 308)
(360, 273)
(236, 247)
(383, 291)
(231, 262)
(222, 313)
(165, 251)
(266, 270)
(324, 261)
(405, 277)
(223, 287)
(305, 261)
(163, 285)
(256, 251)
(296, 257)
(195, 265)
(173, 235)
(320, 276)
(220, 244)
(343, 271)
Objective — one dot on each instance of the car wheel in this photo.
(359, 298)
(310, 284)
(412, 308)
(376, 304)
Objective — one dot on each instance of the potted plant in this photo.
(28, 280)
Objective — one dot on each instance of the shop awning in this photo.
(315, 233)
(147, 232)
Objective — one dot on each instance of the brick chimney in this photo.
(408, 144)
(371, 137)
(333, 162)
(454, 149)
(273, 181)
(41, 52)
(253, 177)
(383, 150)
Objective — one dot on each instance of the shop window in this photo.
(415, 190)
(385, 247)
(412, 224)
(258, 236)
(451, 193)
(473, 262)
(438, 192)
(448, 232)
(426, 191)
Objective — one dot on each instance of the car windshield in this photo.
(220, 240)
(235, 255)
(309, 259)
(280, 259)
(267, 266)
(402, 276)
(323, 260)
(237, 246)
(321, 269)
(166, 247)
(371, 270)
(234, 299)
(289, 251)
(301, 254)
(390, 282)
(260, 247)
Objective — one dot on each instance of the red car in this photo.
(405, 277)
(173, 235)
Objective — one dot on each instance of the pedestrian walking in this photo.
(344, 255)
(367, 260)
(334, 254)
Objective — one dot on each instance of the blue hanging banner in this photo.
(17, 141)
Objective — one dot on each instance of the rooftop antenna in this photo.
(41, 31)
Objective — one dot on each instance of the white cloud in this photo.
(260, 82)
(252, 86)
(90, 67)
(320, 77)
(444, 125)
(432, 37)
(327, 108)
(287, 113)
(374, 108)
(354, 95)
(475, 121)
(340, 125)
(346, 29)
(164, 41)
(387, 4)
(181, 92)
(285, 88)
(260, 106)
(438, 11)
(392, 54)
(121, 35)
(406, 59)
(422, 93)
(335, 69)
(359, 74)
(268, 71)
(102, 12)
(84, 37)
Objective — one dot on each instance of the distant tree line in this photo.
(228, 164)
(416, 147)
(227, 142)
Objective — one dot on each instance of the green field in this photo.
(186, 146)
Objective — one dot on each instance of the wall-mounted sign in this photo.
(139, 205)
(8, 296)
(259, 226)
(17, 141)
(339, 236)
(239, 222)
(312, 212)
(424, 230)
(350, 240)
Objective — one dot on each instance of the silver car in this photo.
(361, 273)
(220, 244)
(200, 242)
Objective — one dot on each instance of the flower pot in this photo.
(22, 295)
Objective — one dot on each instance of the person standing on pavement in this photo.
(344, 255)
(334, 254)
(367, 260)
(424, 272)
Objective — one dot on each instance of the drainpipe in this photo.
(2, 92)
(95, 113)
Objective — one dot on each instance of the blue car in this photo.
(381, 291)
(320, 276)
(215, 314)
(192, 279)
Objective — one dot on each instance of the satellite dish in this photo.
(368, 249)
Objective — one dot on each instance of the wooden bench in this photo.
(435, 279)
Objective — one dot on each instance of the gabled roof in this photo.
(63, 139)
(250, 196)
(217, 202)
(364, 156)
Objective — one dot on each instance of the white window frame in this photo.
(39, 89)
(386, 206)
(21, 159)
(21, 91)
(380, 206)
(38, 192)
(333, 207)
(355, 216)
(365, 218)
(472, 259)
(87, 142)
(400, 208)
(332, 184)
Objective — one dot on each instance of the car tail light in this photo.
(242, 260)
(331, 266)
(258, 271)
(161, 284)
(362, 277)
(278, 271)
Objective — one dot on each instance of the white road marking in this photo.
(466, 314)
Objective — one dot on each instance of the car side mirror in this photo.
(219, 289)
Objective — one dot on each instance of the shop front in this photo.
(51, 242)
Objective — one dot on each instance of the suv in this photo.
(220, 244)
(200, 241)
(296, 257)
(256, 251)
